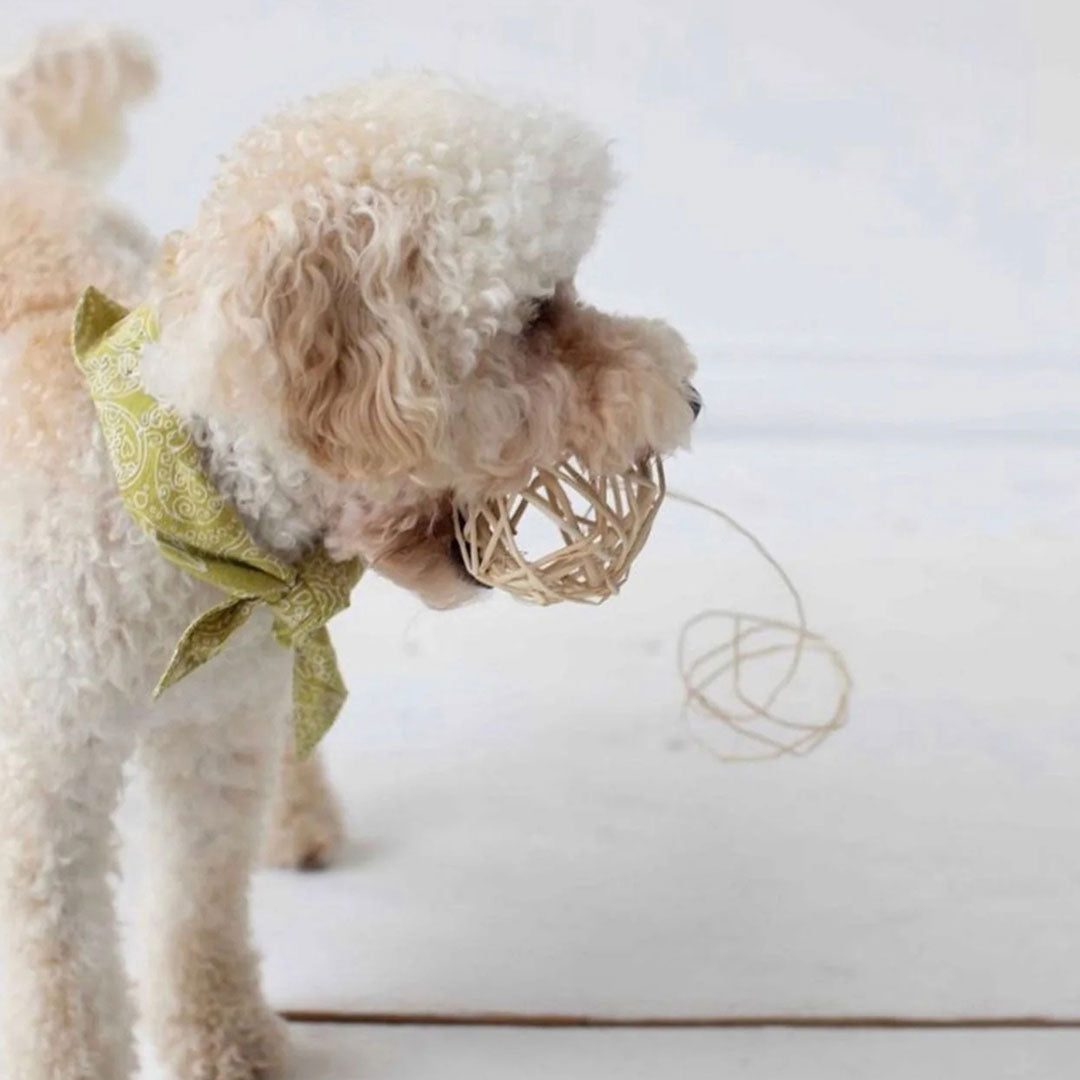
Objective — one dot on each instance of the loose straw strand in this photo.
(732, 657)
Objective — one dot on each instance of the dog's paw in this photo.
(306, 836)
(226, 1044)
(307, 828)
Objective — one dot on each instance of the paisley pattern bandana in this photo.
(165, 489)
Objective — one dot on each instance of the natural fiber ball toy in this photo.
(602, 521)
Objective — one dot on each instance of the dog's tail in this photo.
(63, 105)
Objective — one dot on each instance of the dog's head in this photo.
(382, 280)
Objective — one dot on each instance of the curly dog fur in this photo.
(372, 316)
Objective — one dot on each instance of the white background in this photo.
(864, 217)
(852, 177)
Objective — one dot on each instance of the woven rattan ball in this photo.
(603, 522)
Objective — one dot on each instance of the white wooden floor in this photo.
(423, 1053)
(532, 831)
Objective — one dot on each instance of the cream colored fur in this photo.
(371, 317)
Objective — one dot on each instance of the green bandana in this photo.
(165, 489)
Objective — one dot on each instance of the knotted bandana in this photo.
(166, 490)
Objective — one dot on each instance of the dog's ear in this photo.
(332, 289)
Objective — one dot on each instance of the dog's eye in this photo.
(543, 314)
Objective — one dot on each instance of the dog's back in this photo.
(62, 126)
(61, 121)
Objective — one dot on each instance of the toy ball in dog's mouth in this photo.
(595, 527)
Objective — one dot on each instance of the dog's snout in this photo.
(694, 400)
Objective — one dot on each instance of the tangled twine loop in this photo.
(603, 523)
(755, 717)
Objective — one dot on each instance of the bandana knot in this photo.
(164, 487)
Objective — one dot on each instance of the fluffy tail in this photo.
(63, 106)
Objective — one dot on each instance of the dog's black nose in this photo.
(694, 399)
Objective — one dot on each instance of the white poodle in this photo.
(371, 319)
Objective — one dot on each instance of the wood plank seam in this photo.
(554, 1020)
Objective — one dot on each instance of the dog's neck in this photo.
(286, 504)
(283, 504)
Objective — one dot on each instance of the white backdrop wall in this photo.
(833, 178)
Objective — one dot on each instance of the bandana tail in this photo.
(318, 690)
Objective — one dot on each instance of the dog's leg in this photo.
(209, 789)
(306, 829)
(66, 1012)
